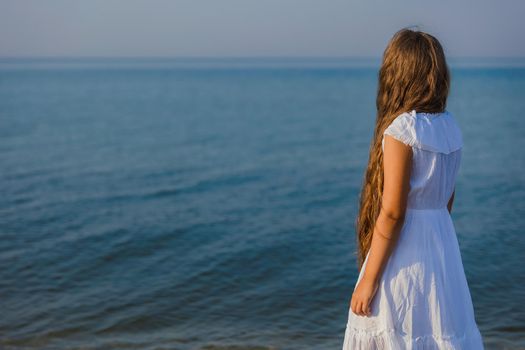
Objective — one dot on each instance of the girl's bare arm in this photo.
(397, 161)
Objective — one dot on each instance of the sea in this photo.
(210, 203)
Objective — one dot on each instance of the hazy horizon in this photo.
(239, 57)
(234, 62)
(249, 28)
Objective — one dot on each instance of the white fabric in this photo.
(423, 299)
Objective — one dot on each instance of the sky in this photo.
(239, 28)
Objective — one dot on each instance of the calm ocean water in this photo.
(210, 204)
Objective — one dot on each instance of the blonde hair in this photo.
(413, 75)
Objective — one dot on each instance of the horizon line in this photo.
(328, 57)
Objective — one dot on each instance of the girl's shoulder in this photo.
(436, 132)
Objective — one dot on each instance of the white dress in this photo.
(423, 300)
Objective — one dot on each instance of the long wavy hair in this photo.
(413, 75)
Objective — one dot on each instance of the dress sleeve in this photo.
(402, 129)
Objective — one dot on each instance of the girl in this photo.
(411, 292)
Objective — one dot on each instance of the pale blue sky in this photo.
(172, 28)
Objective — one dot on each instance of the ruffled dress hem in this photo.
(389, 339)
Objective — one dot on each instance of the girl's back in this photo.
(436, 142)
